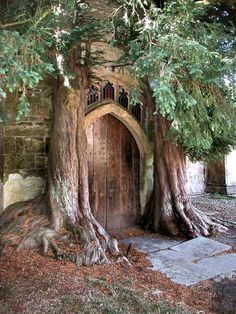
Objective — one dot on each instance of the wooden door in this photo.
(113, 160)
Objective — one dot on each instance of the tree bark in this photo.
(68, 176)
(170, 210)
(65, 205)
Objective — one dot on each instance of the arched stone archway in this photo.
(100, 109)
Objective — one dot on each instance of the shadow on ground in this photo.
(225, 295)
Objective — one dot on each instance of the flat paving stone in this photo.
(151, 243)
(188, 262)
(220, 264)
(187, 273)
(167, 258)
(180, 270)
(201, 247)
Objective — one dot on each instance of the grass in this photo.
(6, 291)
(217, 195)
(117, 298)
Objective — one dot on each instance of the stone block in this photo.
(187, 273)
(191, 273)
(9, 145)
(12, 162)
(19, 144)
(44, 109)
(164, 259)
(200, 247)
(28, 162)
(18, 189)
(41, 162)
(219, 264)
(34, 145)
(29, 131)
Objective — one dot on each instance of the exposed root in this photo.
(180, 218)
(223, 222)
(191, 222)
(19, 220)
(95, 242)
(25, 226)
(121, 259)
(43, 237)
(204, 225)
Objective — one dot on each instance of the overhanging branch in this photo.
(14, 23)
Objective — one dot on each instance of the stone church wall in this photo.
(25, 146)
(196, 183)
(230, 172)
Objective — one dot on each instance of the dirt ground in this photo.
(31, 283)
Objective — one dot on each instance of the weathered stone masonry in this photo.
(25, 147)
(26, 142)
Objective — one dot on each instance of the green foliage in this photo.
(32, 33)
(188, 55)
(186, 50)
(23, 49)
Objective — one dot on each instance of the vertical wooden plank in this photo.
(99, 172)
(126, 161)
(130, 219)
(113, 173)
(136, 180)
(89, 153)
(124, 191)
(130, 178)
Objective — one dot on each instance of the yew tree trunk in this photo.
(170, 210)
(68, 177)
(65, 205)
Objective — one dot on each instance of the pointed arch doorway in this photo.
(114, 173)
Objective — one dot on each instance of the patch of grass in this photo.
(217, 195)
(6, 291)
(68, 300)
(116, 298)
(121, 298)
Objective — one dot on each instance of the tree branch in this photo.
(45, 14)
(14, 23)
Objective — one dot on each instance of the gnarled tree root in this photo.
(191, 222)
(180, 219)
(27, 226)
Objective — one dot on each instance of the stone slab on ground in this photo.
(166, 258)
(220, 264)
(201, 247)
(188, 262)
(185, 272)
(152, 243)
